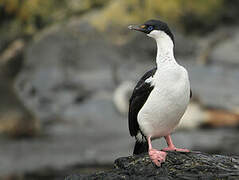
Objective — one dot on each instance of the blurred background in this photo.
(67, 69)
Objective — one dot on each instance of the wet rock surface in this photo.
(68, 144)
(193, 165)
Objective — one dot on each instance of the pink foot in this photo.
(157, 157)
(175, 149)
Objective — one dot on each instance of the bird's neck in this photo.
(165, 51)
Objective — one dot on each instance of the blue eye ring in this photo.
(150, 28)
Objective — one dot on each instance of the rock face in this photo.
(194, 165)
(64, 65)
(226, 51)
(15, 119)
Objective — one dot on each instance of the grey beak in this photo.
(134, 27)
(140, 28)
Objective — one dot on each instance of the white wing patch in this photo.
(149, 80)
(140, 137)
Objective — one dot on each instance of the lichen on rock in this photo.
(193, 165)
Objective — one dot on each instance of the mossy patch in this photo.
(123, 12)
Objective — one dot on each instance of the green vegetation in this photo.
(31, 15)
(177, 12)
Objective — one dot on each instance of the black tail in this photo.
(140, 147)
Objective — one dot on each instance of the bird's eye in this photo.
(150, 28)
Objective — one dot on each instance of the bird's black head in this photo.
(151, 26)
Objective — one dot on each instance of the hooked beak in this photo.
(141, 28)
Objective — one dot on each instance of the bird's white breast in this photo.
(166, 103)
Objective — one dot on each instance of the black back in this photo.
(137, 100)
(140, 147)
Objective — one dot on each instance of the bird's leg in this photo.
(171, 146)
(156, 156)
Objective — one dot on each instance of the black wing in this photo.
(137, 100)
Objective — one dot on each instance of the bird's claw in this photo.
(157, 157)
(175, 149)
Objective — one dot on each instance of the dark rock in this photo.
(8, 34)
(11, 59)
(226, 51)
(15, 119)
(63, 65)
(185, 46)
(194, 165)
(215, 86)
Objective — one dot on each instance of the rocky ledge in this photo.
(186, 166)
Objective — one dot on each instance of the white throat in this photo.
(165, 53)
